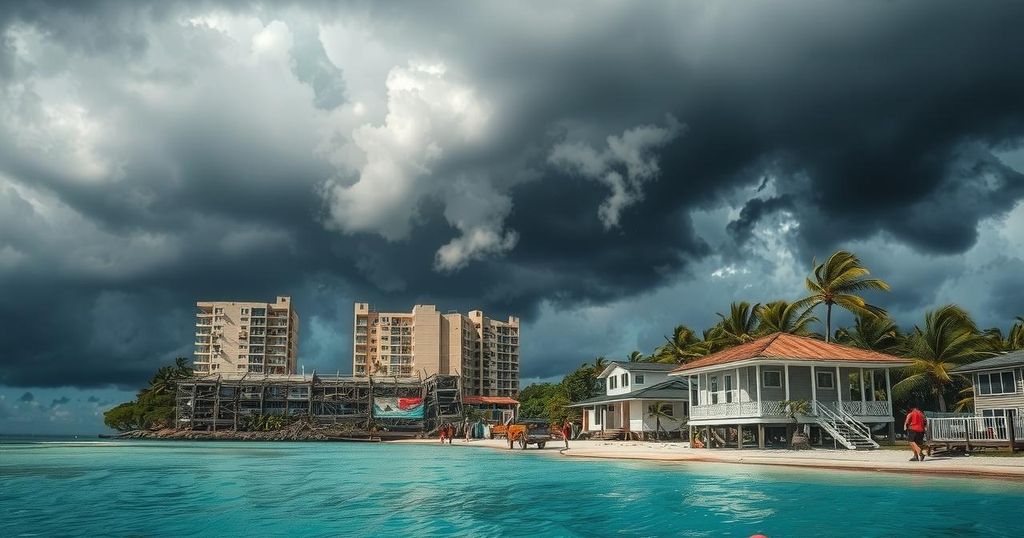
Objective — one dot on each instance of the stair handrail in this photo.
(828, 419)
(855, 424)
(839, 415)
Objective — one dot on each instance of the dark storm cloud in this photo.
(868, 118)
(59, 401)
(27, 397)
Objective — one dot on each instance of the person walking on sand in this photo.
(915, 425)
(566, 433)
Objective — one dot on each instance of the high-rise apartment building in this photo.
(423, 342)
(235, 337)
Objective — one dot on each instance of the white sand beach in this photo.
(870, 460)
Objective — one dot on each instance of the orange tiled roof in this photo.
(791, 347)
(496, 400)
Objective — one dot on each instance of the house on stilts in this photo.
(744, 396)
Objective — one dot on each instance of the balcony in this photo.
(775, 409)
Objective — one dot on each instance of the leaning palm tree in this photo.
(1013, 341)
(636, 356)
(966, 402)
(784, 317)
(949, 339)
(836, 282)
(658, 411)
(600, 363)
(877, 333)
(683, 346)
(740, 325)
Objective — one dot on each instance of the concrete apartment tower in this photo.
(483, 351)
(253, 338)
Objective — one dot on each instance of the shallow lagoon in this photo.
(154, 488)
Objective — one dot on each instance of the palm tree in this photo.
(783, 317)
(600, 363)
(166, 377)
(949, 339)
(636, 356)
(1013, 341)
(659, 410)
(835, 283)
(740, 325)
(877, 333)
(683, 346)
(966, 402)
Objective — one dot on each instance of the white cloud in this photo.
(428, 116)
(624, 166)
(478, 211)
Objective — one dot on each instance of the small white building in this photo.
(639, 396)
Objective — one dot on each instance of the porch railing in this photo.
(776, 408)
(737, 410)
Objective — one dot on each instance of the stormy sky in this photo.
(605, 170)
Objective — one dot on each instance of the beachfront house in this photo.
(998, 406)
(639, 399)
(755, 393)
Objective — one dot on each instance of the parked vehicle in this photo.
(528, 432)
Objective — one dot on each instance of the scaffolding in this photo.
(219, 402)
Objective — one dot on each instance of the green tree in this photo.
(636, 356)
(658, 411)
(683, 346)
(838, 281)
(948, 339)
(877, 333)
(784, 317)
(154, 405)
(121, 417)
(739, 326)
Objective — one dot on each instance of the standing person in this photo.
(567, 433)
(915, 425)
(451, 432)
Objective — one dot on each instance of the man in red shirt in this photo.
(915, 426)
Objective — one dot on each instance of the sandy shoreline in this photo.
(893, 461)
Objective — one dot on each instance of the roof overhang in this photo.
(783, 361)
(617, 400)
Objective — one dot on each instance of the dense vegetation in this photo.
(947, 338)
(154, 405)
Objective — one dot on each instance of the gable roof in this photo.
(1006, 360)
(638, 367)
(673, 389)
(791, 347)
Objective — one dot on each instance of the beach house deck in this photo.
(847, 390)
(998, 384)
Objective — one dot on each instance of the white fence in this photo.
(974, 429)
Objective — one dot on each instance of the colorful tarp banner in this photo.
(398, 407)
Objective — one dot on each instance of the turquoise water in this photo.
(140, 488)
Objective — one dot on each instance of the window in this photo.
(218, 310)
(728, 389)
(638, 379)
(996, 383)
(611, 408)
(771, 379)
(245, 311)
(612, 383)
(597, 417)
(826, 380)
(714, 390)
(625, 380)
